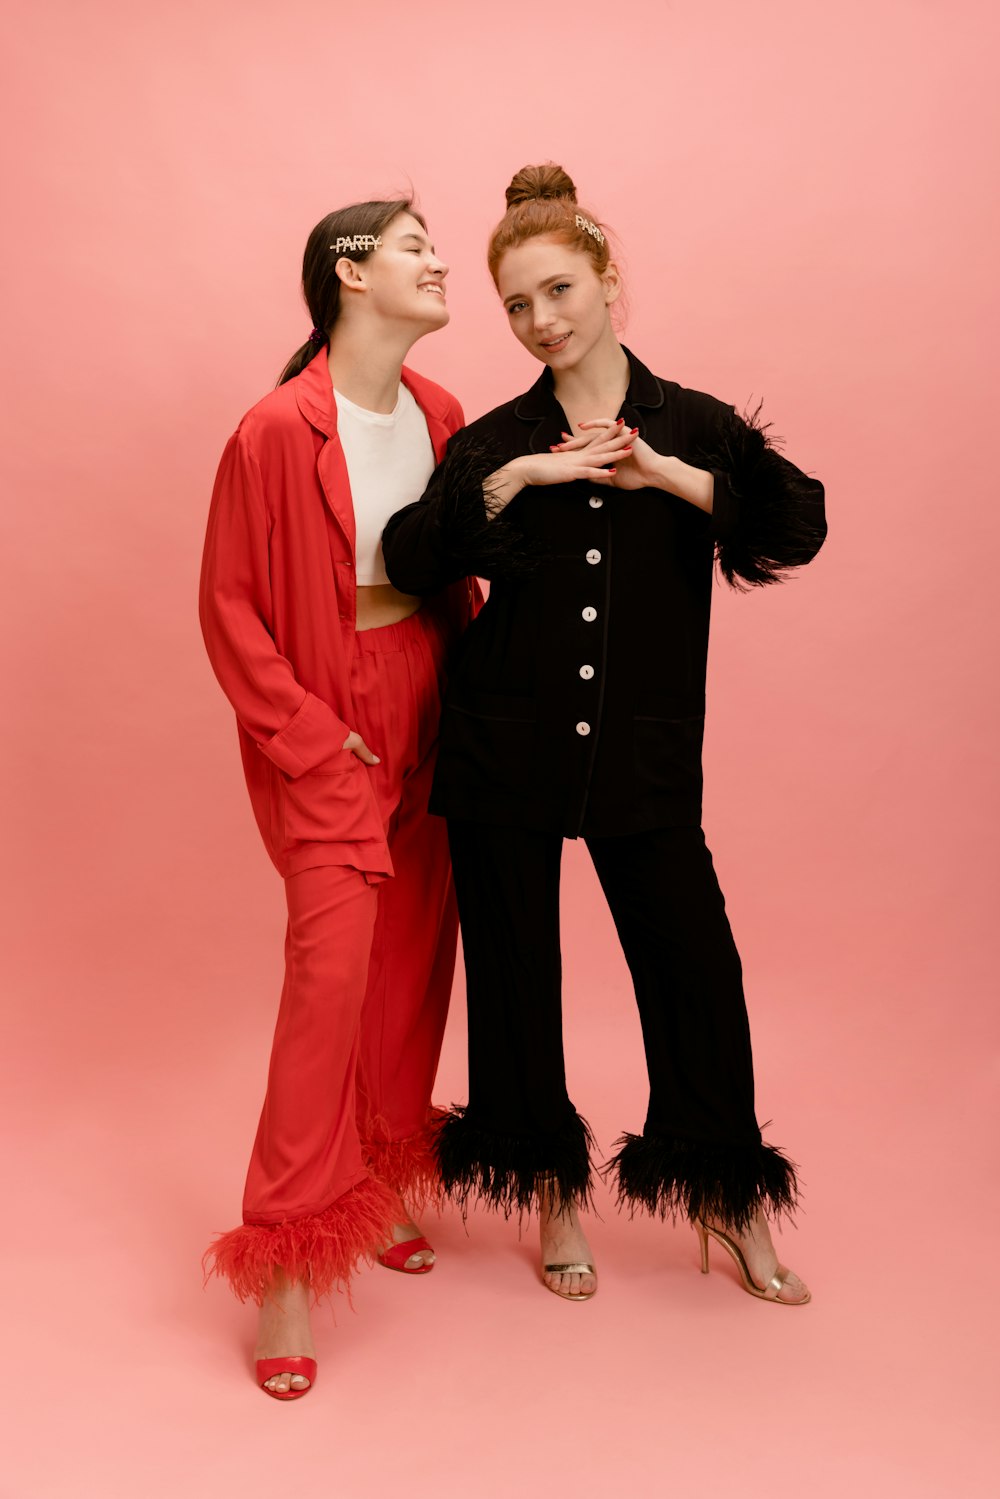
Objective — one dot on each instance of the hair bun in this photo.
(548, 181)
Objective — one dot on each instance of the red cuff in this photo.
(314, 734)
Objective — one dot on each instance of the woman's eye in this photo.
(561, 286)
(516, 307)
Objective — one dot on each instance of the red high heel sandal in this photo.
(396, 1256)
(267, 1368)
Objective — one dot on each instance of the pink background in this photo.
(803, 194)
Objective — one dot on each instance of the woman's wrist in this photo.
(696, 485)
(501, 486)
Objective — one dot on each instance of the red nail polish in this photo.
(634, 431)
(612, 470)
(621, 421)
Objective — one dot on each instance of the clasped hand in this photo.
(607, 452)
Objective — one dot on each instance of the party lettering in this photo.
(356, 242)
(590, 228)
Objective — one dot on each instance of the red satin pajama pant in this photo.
(347, 1123)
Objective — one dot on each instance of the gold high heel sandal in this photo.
(569, 1270)
(776, 1284)
(543, 1182)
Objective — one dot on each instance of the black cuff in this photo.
(472, 530)
(726, 1184)
(510, 1172)
(767, 515)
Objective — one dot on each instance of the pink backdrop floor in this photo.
(126, 1377)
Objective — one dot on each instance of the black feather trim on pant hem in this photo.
(726, 1184)
(511, 1173)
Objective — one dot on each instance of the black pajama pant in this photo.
(700, 1151)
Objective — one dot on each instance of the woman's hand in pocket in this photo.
(357, 746)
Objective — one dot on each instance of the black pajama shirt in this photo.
(575, 708)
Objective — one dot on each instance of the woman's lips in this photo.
(556, 344)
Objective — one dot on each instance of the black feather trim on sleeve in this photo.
(777, 519)
(475, 529)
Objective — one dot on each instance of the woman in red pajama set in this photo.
(335, 678)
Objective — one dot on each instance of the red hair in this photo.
(542, 200)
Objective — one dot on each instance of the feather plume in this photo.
(667, 1176)
(322, 1250)
(409, 1166)
(475, 529)
(780, 523)
(513, 1173)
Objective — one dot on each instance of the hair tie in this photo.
(317, 336)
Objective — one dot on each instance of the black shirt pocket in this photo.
(668, 731)
(488, 740)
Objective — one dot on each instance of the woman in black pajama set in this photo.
(576, 709)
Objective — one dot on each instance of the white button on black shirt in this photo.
(589, 613)
(593, 555)
(583, 728)
(586, 672)
(596, 502)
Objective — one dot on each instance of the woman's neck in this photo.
(597, 385)
(366, 365)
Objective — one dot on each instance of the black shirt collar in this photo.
(540, 401)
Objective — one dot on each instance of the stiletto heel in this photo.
(775, 1285)
(703, 1243)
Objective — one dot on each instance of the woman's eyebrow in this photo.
(562, 276)
(420, 241)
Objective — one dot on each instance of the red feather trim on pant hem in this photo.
(323, 1250)
(410, 1166)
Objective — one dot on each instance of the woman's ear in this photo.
(349, 273)
(612, 283)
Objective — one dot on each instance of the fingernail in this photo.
(565, 434)
(554, 447)
(635, 429)
(612, 470)
(376, 760)
(621, 421)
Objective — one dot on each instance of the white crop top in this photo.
(389, 461)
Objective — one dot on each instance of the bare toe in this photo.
(419, 1259)
(794, 1289)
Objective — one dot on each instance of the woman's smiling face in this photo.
(404, 277)
(557, 304)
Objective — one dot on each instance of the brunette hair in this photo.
(320, 282)
(542, 200)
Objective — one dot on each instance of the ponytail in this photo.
(303, 356)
